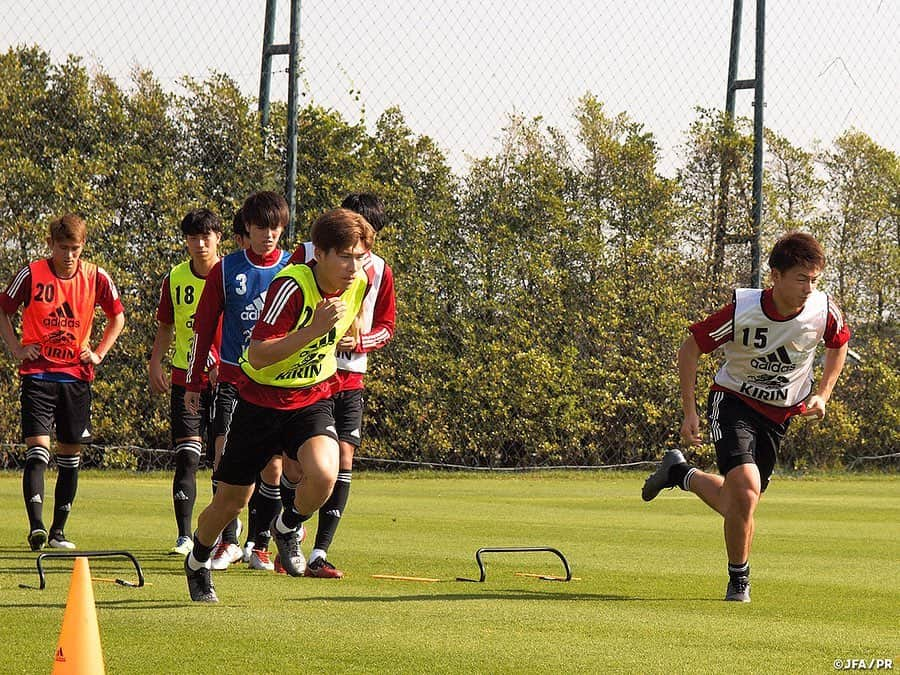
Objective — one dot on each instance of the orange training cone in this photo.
(78, 650)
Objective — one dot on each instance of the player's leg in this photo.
(38, 399)
(241, 461)
(268, 506)
(348, 412)
(252, 521)
(228, 549)
(734, 428)
(188, 444)
(73, 427)
(312, 428)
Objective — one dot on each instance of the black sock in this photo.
(292, 518)
(200, 552)
(332, 510)
(66, 487)
(269, 506)
(36, 459)
(184, 484)
(253, 520)
(229, 534)
(677, 472)
(737, 571)
(288, 492)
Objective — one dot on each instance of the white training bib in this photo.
(772, 360)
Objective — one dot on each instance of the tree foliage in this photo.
(541, 295)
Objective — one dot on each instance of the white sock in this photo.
(194, 564)
(687, 479)
(280, 526)
(317, 553)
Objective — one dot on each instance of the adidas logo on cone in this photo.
(78, 649)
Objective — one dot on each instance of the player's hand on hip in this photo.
(28, 352)
(815, 407)
(88, 356)
(690, 430)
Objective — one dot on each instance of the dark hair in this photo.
(68, 227)
(200, 221)
(238, 226)
(797, 249)
(265, 209)
(368, 205)
(341, 229)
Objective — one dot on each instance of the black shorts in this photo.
(257, 434)
(226, 397)
(186, 424)
(743, 436)
(65, 405)
(348, 413)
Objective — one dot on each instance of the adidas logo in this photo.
(65, 507)
(252, 310)
(775, 362)
(86, 434)
(36, 499)
(180, 496)
(331, 428)
(62, 316)
(355, 433)
(335, 513)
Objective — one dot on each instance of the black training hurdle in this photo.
(516, 549)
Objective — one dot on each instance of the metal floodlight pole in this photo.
(293, 73)
(758, 140)
(292, 49)
(758, 105)
(265, 70)
(733, 56)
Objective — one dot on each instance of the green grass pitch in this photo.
(648, 599)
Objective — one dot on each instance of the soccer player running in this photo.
(58, 294)
(769, 338)
(375, 329)
(178, 298)
(234, 294)
(285, 394)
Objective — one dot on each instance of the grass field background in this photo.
(651, 577)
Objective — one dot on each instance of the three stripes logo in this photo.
(778, 361)
(62, 317)
(774, 364)
(252, 310)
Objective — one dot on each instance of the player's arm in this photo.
(159, 380)
(837, 343)
(834, 363)
(108, 299)
(207, 327)
(705, 336)
(111, 332)
(19, 352)
(10, 299)
(688, 360)
(384, 316)
(165, 334)
(274, 339)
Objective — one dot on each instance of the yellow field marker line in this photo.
(545, 577)
(399, 578)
